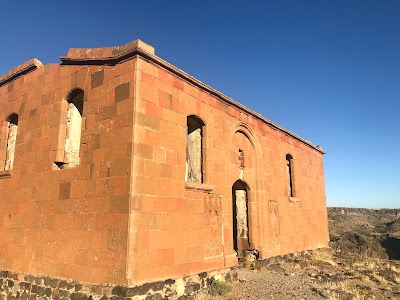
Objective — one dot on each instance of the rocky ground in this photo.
(363, 262)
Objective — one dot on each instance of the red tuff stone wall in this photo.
(185, 227)
(126, 215)
(73, 222)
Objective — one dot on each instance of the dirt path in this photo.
(270, 284)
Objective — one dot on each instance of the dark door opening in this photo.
(241, 237)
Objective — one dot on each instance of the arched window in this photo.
(289, 170)
(12, 128)
(194, 149)
(73, 127)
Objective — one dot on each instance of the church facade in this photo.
(116, 167)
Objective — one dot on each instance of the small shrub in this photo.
(219, 288)
(203, 295)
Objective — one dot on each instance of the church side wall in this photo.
(61, 220)
(185, 227)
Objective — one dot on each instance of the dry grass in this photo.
(397, 278)
(380, 279)
(369, 265)
(361, 295)
(297, 266)
(323, 256)
(359, 278)
(203, 295)
(336, 290)
(215, 291)
(394, 268)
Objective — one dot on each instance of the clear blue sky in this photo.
(327, 70)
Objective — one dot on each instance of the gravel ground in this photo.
(271, 284)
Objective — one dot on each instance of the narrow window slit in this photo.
(289, 168)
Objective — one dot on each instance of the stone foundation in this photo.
(29, 287)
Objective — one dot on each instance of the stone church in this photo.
(119, 169)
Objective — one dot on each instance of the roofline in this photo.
(111, 56)
(20, 70)
(139, 52)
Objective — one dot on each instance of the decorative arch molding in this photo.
(246, 130)
(256, 193)
(249, 133)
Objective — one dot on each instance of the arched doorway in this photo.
(241, 236)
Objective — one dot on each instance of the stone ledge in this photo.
(5, 174)
(198, 186)
(20, 70)
(293, 199)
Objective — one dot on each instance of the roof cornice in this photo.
(111, 56)
(20, 70)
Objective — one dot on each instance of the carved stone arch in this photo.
(200, 118)
(77, 97)
(12, 118)
(246, 130)
(257, 187)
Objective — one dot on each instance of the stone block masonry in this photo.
(18, 286)
(119, 169)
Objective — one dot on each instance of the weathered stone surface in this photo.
(98, 289)
(169, 281)
(41, 291)
(77, 287)
(144, 289)
(122, 92)
(54, 283)
(79, 296)
(191, 288)
(24, 296)
(64, 293)
(156, 296)
(97, 79)
(62, 284)
(119, 291)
